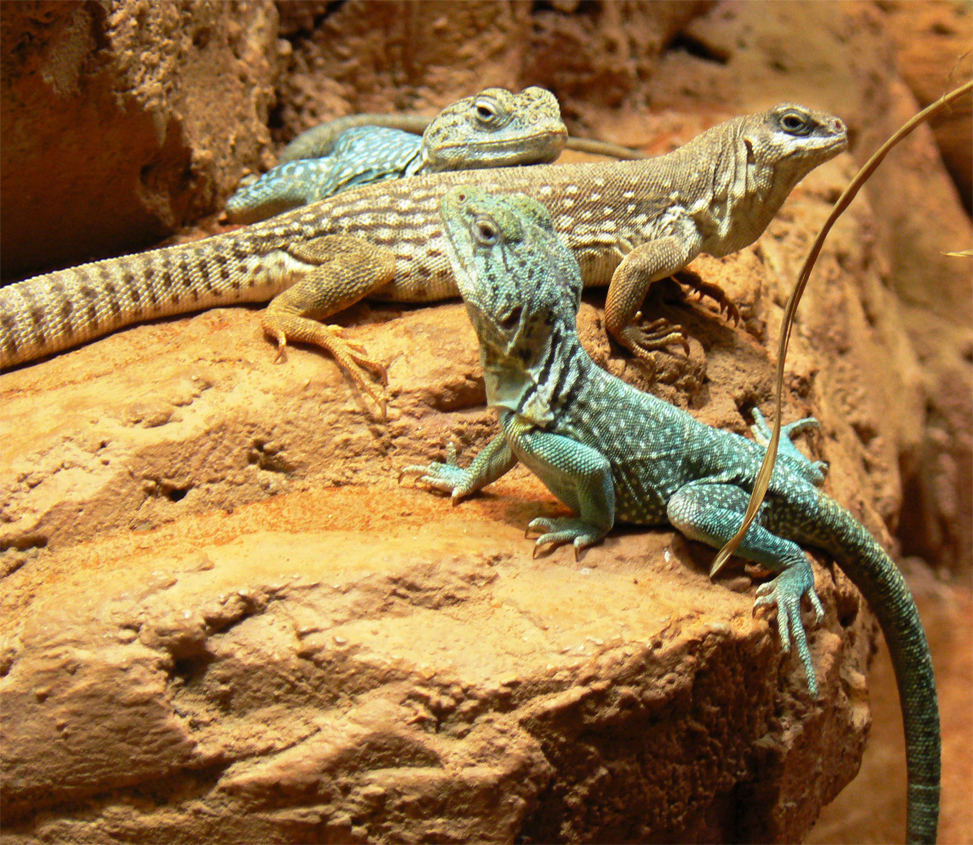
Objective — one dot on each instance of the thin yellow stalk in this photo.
(767, 468)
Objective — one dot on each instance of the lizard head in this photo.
(785, 143)
(517, 278)
(495, 128)
(756, 160)
(788, 141)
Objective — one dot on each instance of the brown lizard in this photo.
(628, 224)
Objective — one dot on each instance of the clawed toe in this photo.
(562, 530)
(656, 335)
(789, 624)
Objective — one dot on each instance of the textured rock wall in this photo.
(123, 121)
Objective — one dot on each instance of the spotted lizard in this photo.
(495, 128)
(613, 453)
(628, 223)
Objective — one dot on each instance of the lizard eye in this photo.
(485, 231)
(795, 123)
(485, 110)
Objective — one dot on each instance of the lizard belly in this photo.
(598, 262)
(422, 274)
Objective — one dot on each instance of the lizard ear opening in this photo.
(751, 158)
(485, 231)
(512, 320)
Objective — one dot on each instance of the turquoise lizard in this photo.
(320, 140)
(495, 128)
(611, 452)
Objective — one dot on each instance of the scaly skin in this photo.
(494, 128)
(611, 452)
(629, 224)
(321, 140)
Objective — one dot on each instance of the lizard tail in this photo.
(885, 590)
(49, 313)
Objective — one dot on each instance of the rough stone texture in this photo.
(294, 684)
(422, 676)
(121, 121)
(929, 36)
(236, 671)
(407, 55)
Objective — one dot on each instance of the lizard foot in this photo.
(640, 340)
(785, 592)
(814, 471)
(562, 529)
(349, 354)
(715, 292)
(446, 477)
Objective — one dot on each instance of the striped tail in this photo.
(874, 573)
(49, 313)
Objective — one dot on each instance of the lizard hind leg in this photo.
(344, 270)
(712, 513)
(813, 471)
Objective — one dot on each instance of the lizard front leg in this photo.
(494, 461)
(645, 265)
(346, 270)
(712, 513)
(578, 475)
(640, 269)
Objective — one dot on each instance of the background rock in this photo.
(123, 121)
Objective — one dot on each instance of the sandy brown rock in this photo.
(129, 493)
(267, 678)
(121, 121)
(415, 56)
(933, 41)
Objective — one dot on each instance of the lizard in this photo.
(321, 140)
(613, 453)
(495, 128)
(629, 224)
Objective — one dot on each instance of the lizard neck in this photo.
(532, 382)
(740, 193)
